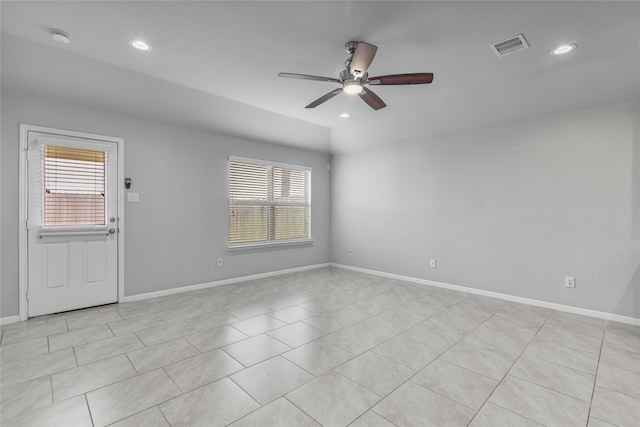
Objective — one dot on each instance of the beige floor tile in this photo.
(279, 413)
(570, 338)
(248, 311)
(129, 310)
(357, 332)
(408, 352)
(414, 405)
(540, 404)
(216, 337)
(216, 404)
(615, 408)
(77, 381)
(594, 422)
(106, 348)
(473, 354)
(163, 354)
(458, 384)
(376, 373)
(23, 324)
(333, 321)
(623, 337)
(620, 358)
(618, 379)
(92, 319)
(22, 349)
(23, 397)
(292, 314)
(163, 333)
(256, 349)
(296, 334)
(371, 419)
(505, 339)
(78, 337)
(556, 352)
(257, 325)
(210, 320)
(128, 397)
(202, 369)
(37, 330)
(556, 377)
(135, 324)
(494, 416)
(72, 412)
(182, 312)
(333, 400)
(318, 357)
(435, 337)
(31, 367)
(150, 418)
(271, 379)
(355, 339)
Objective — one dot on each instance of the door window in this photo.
(74, 186)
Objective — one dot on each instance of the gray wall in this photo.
(178, 230)
(511, 209)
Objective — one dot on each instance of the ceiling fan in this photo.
(355, 77)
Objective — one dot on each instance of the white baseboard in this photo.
(9, 319)
(506, 297)
(233, 280)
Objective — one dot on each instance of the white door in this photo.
(72, 226)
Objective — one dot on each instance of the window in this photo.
(74, 186)
(268, 202)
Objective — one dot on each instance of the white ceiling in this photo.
(208, 54)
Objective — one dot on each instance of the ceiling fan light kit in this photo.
(352, 87)
(355, 77)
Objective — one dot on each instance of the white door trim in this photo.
(22, 207)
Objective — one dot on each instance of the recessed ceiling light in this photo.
(345, 115)
(60, 36)
(565, 48)
(140, 45)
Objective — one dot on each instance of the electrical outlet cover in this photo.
(570, 282)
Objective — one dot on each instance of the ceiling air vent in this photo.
(510, 45)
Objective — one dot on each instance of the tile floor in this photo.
(325, 347)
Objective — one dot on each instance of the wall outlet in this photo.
(220, 262)
(432, 263)
(350, 251)
(570, 281)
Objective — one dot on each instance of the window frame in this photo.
(268, 243)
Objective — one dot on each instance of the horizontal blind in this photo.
(74, 186)
(267, 202)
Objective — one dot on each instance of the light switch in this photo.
(133, 197)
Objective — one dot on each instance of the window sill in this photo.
(278, 243)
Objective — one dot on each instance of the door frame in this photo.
(23, 197)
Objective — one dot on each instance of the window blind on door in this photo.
(74, 186)
(268, 202)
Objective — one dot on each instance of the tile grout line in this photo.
(595, 375)
(86, 402)
(507, 373)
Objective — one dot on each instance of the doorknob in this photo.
(112, 230)
(112, 219)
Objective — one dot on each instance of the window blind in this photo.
(268, 202)
(74, 186)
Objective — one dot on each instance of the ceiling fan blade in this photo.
(324, 98)
(362, 58)
(372, 99)
(402, 79)
(308, 77)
